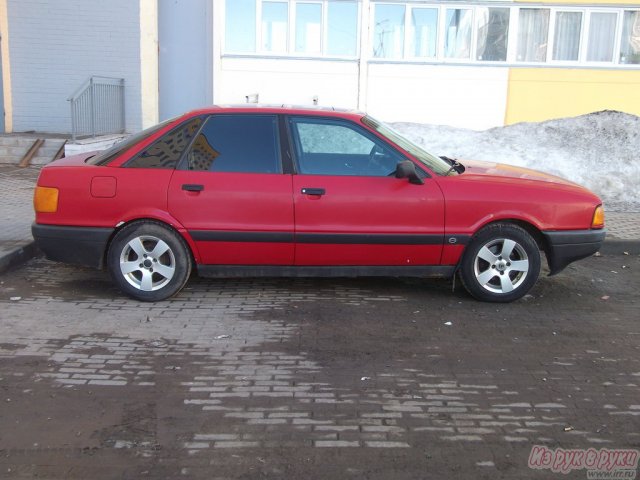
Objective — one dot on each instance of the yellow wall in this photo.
(537, 94)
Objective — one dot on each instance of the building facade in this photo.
(472, 64)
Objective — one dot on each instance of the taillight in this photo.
(598, 217)
(45, 200)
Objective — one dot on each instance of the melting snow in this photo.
(600, 150)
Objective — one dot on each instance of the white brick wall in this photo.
(56, 45)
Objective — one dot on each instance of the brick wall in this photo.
(56, 46)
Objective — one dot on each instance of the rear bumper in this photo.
(565, 247)
(76, 245)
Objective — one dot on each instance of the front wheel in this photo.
(501, 263)
(148, 261)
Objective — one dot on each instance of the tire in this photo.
(149, 261)
(501, 263)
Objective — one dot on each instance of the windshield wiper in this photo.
(455, 165)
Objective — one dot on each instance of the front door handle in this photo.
(190, 187)
(313, 191)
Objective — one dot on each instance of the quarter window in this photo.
(167, 151)
(236, 143)
(329, 147)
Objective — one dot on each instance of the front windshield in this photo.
(434, 163)
(104, 157)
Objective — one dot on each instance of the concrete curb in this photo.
(18, 256)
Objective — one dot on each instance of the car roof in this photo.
(279, 109)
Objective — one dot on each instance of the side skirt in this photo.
(226, 271)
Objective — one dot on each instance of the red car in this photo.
(262, 191)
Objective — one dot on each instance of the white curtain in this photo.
(566, 44)
(533, 34)
(602, 33)
(458, 33)
(493, 32)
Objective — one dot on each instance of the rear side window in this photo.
(167, 150)
(237, 143)
(107, 156)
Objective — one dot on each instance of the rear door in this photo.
(349, 207)
(230, 193)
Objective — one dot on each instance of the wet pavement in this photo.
(319, 378)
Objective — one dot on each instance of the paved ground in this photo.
(313, 378)
(16, 212)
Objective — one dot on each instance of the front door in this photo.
(349, 207)
(231, 194)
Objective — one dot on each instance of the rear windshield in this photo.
(106, 156)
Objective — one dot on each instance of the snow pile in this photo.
(600, 150)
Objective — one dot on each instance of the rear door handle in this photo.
(313, 191)
(189, 187)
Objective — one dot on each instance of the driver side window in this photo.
(336, 147)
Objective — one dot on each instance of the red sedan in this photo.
(261, 191)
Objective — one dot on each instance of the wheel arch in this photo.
(163, 221)
(527, 225)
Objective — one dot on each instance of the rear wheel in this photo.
(149, 261)
(501, 263)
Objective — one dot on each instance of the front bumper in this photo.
(76, 245)
(565, 247)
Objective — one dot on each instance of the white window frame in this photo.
(408, 56)
(408, 30)
(474, 52)
(616, 40)
(293, 6)
(372, 32)
(474, 33)
(552, 35)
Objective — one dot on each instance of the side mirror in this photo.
(406, 169)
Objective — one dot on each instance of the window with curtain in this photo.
(630, 41)
(602, 34)
(533, 33)
(308, 28)
(342, 28)
(566, 44)
(424, 32)
(240, 26)
(457, 38)
(388, 35)
(493, 32)
(275, 26)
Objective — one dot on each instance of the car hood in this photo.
(500, 170)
